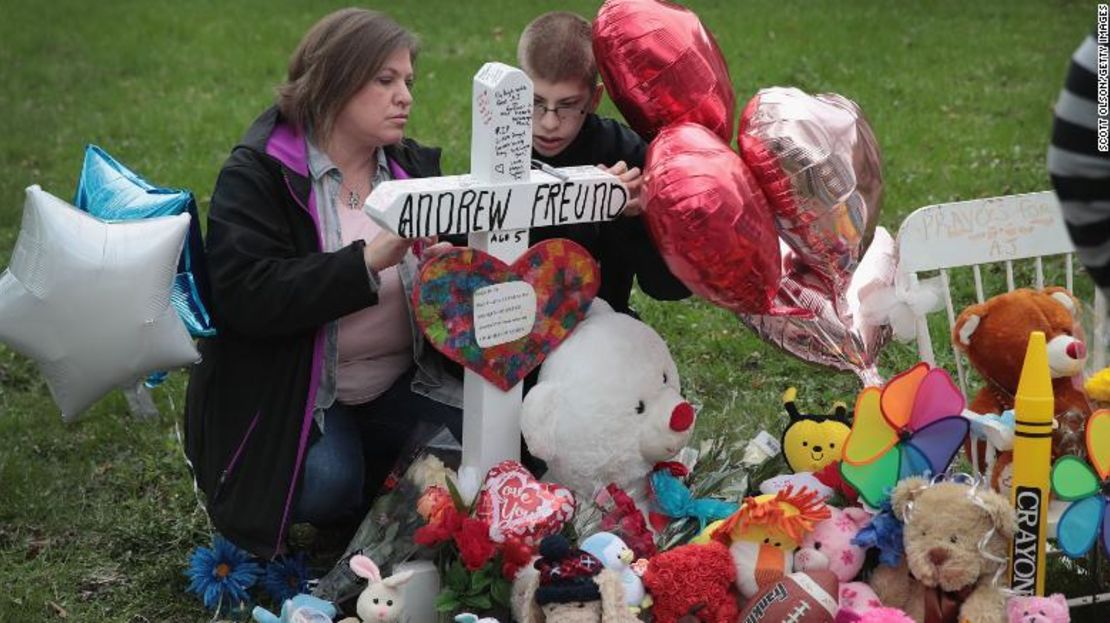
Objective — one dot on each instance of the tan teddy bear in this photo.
(956, 538)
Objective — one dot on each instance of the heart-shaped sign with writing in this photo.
(516, 505)
(498, 320)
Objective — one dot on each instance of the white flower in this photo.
(428, 470)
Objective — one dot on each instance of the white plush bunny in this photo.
(380, 601)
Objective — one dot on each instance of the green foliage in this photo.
(457, 499)
(97, 518)
(479, 590)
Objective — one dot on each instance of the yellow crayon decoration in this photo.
(1033, 410)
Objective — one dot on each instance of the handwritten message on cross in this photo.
(496, 205)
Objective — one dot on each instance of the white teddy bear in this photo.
(607, 406)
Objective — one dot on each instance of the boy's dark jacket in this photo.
(249, 403)
(622, 247)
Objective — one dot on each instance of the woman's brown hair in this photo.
(337, 57)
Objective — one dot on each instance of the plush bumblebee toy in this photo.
(811, 442)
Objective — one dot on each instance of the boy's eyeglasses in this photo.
(564, 113)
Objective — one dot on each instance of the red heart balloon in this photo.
(818, 163)
(710, 220)
(661, 66)
(516, 505)
(563, 276)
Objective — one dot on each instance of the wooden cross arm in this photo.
(458, 204)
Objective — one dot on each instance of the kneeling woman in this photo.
(318, 375)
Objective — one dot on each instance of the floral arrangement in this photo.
(223, 576)
(477, 571)
(725, 471)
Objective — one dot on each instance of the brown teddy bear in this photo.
(994, 334)
(956, 537)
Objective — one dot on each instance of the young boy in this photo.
(556, 51)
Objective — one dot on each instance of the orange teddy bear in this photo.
(994, 334)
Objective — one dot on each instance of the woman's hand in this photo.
(435, 250)
(632, 180)
(385, 250)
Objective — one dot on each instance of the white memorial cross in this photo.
(496, 205)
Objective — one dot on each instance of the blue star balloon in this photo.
(110, 191)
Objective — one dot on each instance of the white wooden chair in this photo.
(951, 238)
(980, 232)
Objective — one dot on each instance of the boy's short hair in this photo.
(558, 46)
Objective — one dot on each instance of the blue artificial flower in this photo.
(222, 575)
(884, 533)
(286, 577)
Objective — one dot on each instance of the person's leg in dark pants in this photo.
(333, 482)
(411, 407)
(346, 465)
(392, 419)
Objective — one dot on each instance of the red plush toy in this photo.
(693, 580)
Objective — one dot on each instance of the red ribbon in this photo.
(944, 607)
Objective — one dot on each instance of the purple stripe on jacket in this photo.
(288, 146)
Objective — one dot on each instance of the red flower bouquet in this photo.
(480, 547)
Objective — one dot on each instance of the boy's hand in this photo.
(632, 180)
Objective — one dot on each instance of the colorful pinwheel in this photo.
(912, 426)
(1088, 490)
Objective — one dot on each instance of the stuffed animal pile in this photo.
(608, 417)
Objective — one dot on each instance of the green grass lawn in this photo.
(97, 517)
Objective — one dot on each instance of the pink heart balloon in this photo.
(661, 66)
(818, 162)
(516, 505)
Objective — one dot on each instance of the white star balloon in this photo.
(89, 301)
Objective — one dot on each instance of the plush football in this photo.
(804, 597)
